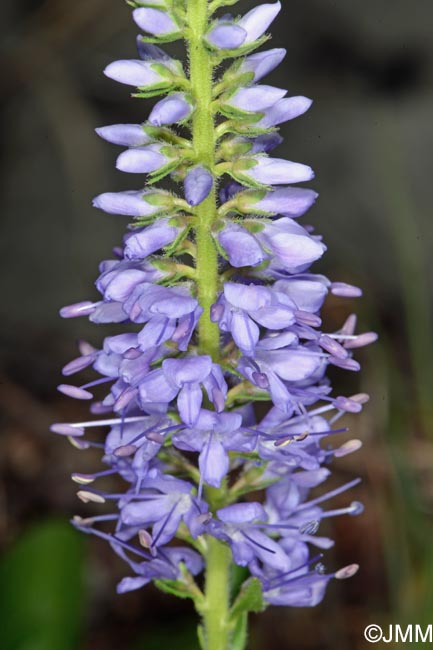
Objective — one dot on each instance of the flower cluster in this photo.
(183, 437)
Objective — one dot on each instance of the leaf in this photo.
(240, 633)
(232, 112)
(162, 172)
(250, 599)
(201, 637)
(41, 589)
(163, 38)
(239, 575)
(174, 588)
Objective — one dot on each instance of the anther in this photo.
(90, 497)
(347, 572)
(349, 447)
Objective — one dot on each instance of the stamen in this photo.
(347, 572)
(109, 422)
(361, 340)
(294, 437)
(74, 391)
(349, 326)
(86, 348)
(78, 364)
(86, 497)
(82, 445)
(99, 408)
(310, 562)
(275, 526)
(260, 379)
(328, 495)
(166, 520)
(333, 347)
(86, 479)
(150, 432)
(89, 521)
(83, 308)
(115, 540)
(349, 447)
(355, 508)
(345, 364)
(310, 528)
(97, 382)
(307, 318)
(145, 538)
(253, 541)
(206, 457)
(125, 450)
(67, 429)
(125, 398)
(347, 404)
(345, 290)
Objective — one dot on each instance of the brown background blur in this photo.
(369, 68)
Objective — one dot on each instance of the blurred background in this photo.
(369, 67)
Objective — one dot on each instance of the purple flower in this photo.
(142, 160)
(177, 392)
(226, 36)
(159, 568)
(155, 21)
(174, 108)
(290, 245)
(265, 143)
(246, 307)
(126, 135)
(182, 378)
(141, 243)
(307, 291)
(170, 313)
(288, 201)
(255, 98)
(284, 110)
(198, 184)
(119, 279)
(131, 203)
(169, 502)
(239, 526)
(273, 171)
(213, 435)
(134, 72)
(257, 21)
(262, 63)
(276, 370)
(242, 247)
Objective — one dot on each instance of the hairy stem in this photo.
(215, 610)
(203, 135)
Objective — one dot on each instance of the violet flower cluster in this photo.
(181, 423)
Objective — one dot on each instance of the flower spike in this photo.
(219, 309)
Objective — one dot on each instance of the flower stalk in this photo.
(203, 141)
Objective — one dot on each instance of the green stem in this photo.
(203, 137)
(217, 593)
(216, 604)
